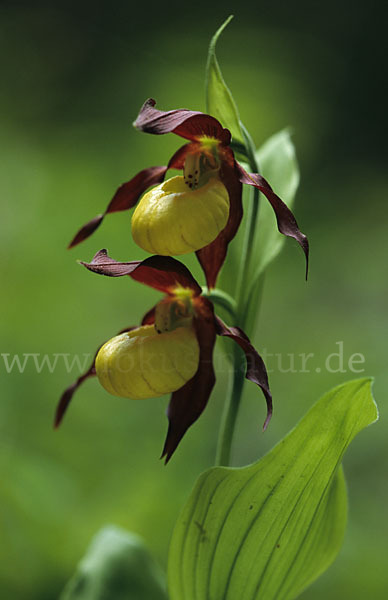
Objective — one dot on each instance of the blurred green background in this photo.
(73, 76)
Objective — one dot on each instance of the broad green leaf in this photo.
(278, 164)
(117, 566)
(268, 530)
(219, 100)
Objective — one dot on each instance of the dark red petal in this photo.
(149, 317)
(256, 370)
(69, 392)
(188, 124)
(187, 403)
(177, 161)
(286, 221)
(125, 197)
(163, 273)
(212, 257)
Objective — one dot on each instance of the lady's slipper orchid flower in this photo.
(200, 211)
(171, 351)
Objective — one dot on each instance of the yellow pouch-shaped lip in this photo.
(171, 219)
(144, 364)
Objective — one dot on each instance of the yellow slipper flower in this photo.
(171, 351)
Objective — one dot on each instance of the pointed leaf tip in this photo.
(219, 100)
(221, 29)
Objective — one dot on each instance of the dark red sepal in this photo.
(162, 273)
(212, 257)
(187, 403)
(286, 221)
(188, 124)
(149, 317)
(177, 161)
(69, 392)
(125, 198)
(256, 370)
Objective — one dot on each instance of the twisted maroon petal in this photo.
(125, 198)
(286, 221)
(256, 370)
(129, 193)
(188, 124)
(68, 394)
(187, 403)
(212, 257)
(163, 273)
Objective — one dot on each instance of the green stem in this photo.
(251, 217)
(232, 405)
(229, 418)
(251, 313)
(250, 231)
